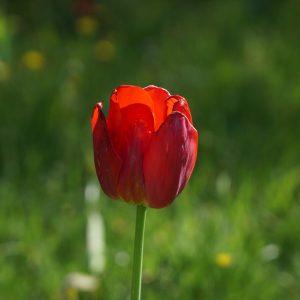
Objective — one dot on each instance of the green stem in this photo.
(138, 252)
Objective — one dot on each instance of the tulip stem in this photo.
(138, 252)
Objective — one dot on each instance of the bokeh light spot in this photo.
(34, 60)
(5, 71)
(86, 25)
(105, 50)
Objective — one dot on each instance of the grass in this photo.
(42, 242)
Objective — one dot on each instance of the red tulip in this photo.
(146, 150)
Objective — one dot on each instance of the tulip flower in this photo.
(146, 150)
(144, 154)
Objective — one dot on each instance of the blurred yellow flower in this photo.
(4, 71)
(223, 259)
(34, 60)
(105, 50)
(71, 293)
(86, 25)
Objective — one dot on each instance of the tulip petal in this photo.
(131, 185)
(128, 105)
(126, 95)
(170, 159)
(178, 103)
(128, 117)
(107, 162)
(159, 96)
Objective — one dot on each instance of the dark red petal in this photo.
(130, 139)
(159, 96)
(170, 160)
(107, 162)
(131, 185)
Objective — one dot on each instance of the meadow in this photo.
(234, 232)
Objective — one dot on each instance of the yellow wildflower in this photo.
(223, 259)
(71, 293)
(34, 60)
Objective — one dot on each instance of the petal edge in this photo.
(107, 162)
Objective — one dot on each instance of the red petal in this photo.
(178, 103)
(132, 138)
(131, 185)
(159, 96)
(130, 116)
(169, 162)
(128, 105)
(107, 162)
(126, 95)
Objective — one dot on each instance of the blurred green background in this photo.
(234, 232)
